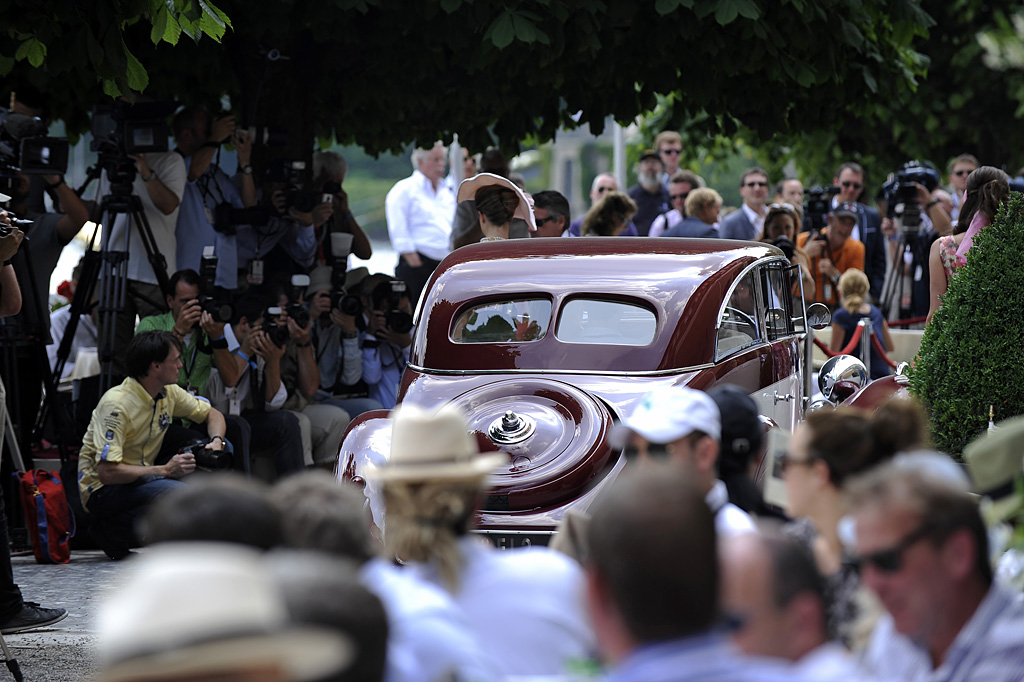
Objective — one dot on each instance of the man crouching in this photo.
(118, 474)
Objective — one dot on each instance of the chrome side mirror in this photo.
(818, 316)
(840, 377)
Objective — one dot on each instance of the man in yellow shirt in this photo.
(118, 471)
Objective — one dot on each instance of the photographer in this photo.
(257, 394)
(199, 140)
(780, 230)
(832, 252)
(118, 471)
(206, 343)
(329, 169)
(335, 338)
(385, 348)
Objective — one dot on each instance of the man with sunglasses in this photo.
(849, 178)
(602, 184)
(748, 221)
(669, 145)
(961, 167)
(923, 549)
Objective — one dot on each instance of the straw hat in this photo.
(198, 608)
(996, 462)
(432, 446)
(469, 187)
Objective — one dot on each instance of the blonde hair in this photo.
(853, 286)
(700, 197)
(424, 521)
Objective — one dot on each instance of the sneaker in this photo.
(32, 616)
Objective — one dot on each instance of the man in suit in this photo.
(748, 221)
(868, 230)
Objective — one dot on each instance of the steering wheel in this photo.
(740, 318)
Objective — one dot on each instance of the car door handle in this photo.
(789, 397)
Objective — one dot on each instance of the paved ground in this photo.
(64, 651)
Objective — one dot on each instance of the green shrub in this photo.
(972, 353)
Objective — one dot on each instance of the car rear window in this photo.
(597, 321)
(511, 321)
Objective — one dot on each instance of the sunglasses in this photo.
(541, 221)
(787, 461)
(961, 173)
(602, 190)
(673, 197)
(785, 208)
(756, 184)
(671, 151)
(891, 560)
(856, 185)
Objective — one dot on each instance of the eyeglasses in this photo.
(541, 221)
(753, 183)
(847, 184)
(784, 208)
(787, 461)
(673, 197)
(891, 560)
(671, 151)
(961, 173)
(602, 190)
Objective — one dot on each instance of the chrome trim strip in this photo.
(498, 531)
(570, 372)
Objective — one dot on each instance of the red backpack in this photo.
(47, 515)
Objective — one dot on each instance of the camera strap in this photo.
(191, 363)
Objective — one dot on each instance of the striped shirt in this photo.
(989, 648)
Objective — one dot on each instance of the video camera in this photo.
(25, 148)
(219, 310)
(209, 460)
(121, 129)
(901, 193)
(818, 204)
(386, 297)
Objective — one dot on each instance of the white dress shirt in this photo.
(420, 217)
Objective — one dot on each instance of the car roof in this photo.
(683, 280)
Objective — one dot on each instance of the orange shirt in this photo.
(849, 255)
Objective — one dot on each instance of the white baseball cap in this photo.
(667, 414)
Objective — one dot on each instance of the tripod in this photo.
(896, 286)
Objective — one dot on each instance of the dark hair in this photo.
(554, 203)
(742, 438)
(755, 170)
(493, 161)
(794, 572)
(497, 203)
(849, 441)
(251, 307)
(217, 508)
(850, 166)
(147, 348)
(987, 189)
(611, 210)
(186, 120)
(685, 176)
(188, 276)
(652, 543)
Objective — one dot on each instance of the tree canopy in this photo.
(386, 74)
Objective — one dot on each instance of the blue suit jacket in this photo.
(737, 226)
(870, 223)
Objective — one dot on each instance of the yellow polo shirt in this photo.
(128, 426)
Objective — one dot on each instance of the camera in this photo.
(901, 194)
(341, 244)
(219, 310)
(292, 174)
(784, 244)
(120, 129)
(818, 204)
(25, 148)
(387, 296)
(296, 310)
(227, 218)
(277, 332)
(207, 459)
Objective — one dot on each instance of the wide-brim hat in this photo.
(469, 187)
(995, 461)
(319, 280)
(434, 446)
(199, 608)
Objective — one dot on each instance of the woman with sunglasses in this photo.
(825, 451)
(780, 222)
(987, 189)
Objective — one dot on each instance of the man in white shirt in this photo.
(774, 591)
(748, 221)
(686, 425)
(420, 210)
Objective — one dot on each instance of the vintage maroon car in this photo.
(545, 343)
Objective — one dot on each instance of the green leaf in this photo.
(93, 48)
(524, 30)
(138, 79)
(6, 64)
(728, 10)
(450, 6)
(33, 50)
(664, 7)
(502, 31)
(110, 88)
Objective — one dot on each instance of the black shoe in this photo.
(113, 551)
(31, 617)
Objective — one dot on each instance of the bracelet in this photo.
(219, 344)
(221, 439)
(152, 175)
(304, 345)
(930, 204)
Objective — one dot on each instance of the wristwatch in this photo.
(247, 169)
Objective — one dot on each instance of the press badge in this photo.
(255, 276)
(234, 408)
(209, 215)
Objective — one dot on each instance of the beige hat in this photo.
(319, 280)
(198, 608)
(433, 446)
(469, 187)
(996, 461)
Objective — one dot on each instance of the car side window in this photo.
(737, 327)
(617, 323)
(778, 302)
(509, 321)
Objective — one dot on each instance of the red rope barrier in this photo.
(849, 347)
(881, 351)
(907, 323)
